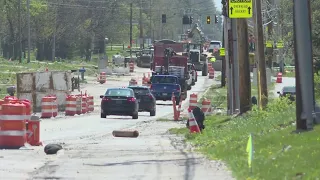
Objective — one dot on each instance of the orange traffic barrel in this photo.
(131, 67)
(103, 78)
(84, 108)
(7, 99)
(33, 137)
(211, 73)
(206, 106)
(90, 103)
(71, 105)
(78, 104)
(13, 126)
(193, 101)
(1, 102)
(49, 107)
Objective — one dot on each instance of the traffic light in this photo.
(164, 18)
(191, 19)
(216, 19)
(208, 20)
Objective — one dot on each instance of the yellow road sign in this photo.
(280, 44)
(269, 44)
(222, 52)
(240, 9)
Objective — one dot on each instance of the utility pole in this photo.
(230, 69)
(223, 72)
(141, 39)
(150, 23)
(244, 65)
(130, 31)
(270, 30)
(29, 30)
(235, 65)
(20, 36)
(228, 65)
(305, 103)
(54, 35)
(261, 70)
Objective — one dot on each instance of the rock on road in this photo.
(91, 152)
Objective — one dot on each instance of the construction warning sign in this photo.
(240, 9)
(222, 52)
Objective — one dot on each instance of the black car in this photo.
(288, 91)
(147, 102)
(119, 101)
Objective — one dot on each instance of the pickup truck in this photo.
(162, 87)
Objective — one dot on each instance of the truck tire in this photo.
(205, 70)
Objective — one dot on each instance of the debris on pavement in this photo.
(52, 148)
(132, 134)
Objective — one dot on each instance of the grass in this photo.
(217, 95)
(289, 74)
(279, 154)
(254, 90)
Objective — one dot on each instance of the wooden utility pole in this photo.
(305, 103)
(270, 30)
(130, 31)
(141, 27)
(29, 31)
(20, 35)
(244, 65)
(223, 72)
(261, 70)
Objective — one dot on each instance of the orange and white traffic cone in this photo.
(193, 125)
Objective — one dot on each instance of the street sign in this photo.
(222, 52)
(240, 9)
(280, 44)
(269, 44)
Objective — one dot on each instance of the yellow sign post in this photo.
(240, 9)
(269, 44)
(280, 44)
(222, 52)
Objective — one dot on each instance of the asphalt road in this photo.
(91, 152)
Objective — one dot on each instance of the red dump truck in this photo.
(174, 64)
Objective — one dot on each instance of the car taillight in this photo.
(131, 99)
(178, 88)
(150, 96)
(106, 99)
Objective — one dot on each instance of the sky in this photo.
(218, 4)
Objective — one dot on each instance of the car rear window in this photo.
(164, 79)
(289, 89)
(140, 91)
(119, 92)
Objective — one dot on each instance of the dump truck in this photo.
(167, 61)
(144, 58)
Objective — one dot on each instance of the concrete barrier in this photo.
(115, 70)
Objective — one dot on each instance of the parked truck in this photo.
(144, 58)
(166, 61)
